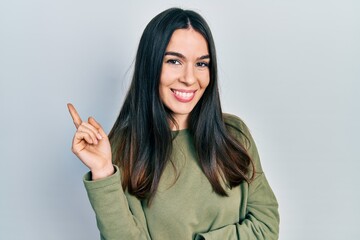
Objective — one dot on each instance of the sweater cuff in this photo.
(100, 183)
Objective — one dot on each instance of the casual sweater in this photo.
(185, 206)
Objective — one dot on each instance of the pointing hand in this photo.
(91, 145)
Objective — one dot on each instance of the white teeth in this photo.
(183, 94)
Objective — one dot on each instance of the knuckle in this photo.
(78, 133)
(73, 150)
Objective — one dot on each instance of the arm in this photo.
(259, 218)
(114, 216)
(261, 221)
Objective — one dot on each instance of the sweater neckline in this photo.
(182, 132)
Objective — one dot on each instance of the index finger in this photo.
(75, 116)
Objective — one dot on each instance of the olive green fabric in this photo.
(185, 206)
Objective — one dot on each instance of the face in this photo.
(185, 73)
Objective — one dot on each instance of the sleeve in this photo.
(114, 216)
(261, 216)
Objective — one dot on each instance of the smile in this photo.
(184, 95)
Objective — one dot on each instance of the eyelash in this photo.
(173, 61)
(177, 62)
(202, 64)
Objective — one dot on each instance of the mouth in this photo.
(183, 95)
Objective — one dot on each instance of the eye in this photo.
(173, 61)
(202, 64)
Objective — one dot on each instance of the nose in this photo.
(189, 77)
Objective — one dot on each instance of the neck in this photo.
(182, 122)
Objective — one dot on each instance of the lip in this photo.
(183, 95)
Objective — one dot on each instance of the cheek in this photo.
(162, 90)
(204, 80)
(168, 76)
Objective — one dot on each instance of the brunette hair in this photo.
(141, 136)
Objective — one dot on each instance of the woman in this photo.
(174, 166)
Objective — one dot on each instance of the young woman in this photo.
(174, 166)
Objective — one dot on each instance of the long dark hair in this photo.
(141, 136)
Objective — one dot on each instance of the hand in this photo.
(91, 145)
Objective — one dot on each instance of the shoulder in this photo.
(236, 127)
(233, 121)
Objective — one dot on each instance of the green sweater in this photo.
(185, 206)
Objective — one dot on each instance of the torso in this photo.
(185, 202)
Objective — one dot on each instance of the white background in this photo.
(290, 69)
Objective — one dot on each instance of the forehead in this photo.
(187, 42)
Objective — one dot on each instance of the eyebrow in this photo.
(183, 57)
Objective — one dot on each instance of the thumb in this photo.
(97, 125)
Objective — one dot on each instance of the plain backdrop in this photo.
(289, 69)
